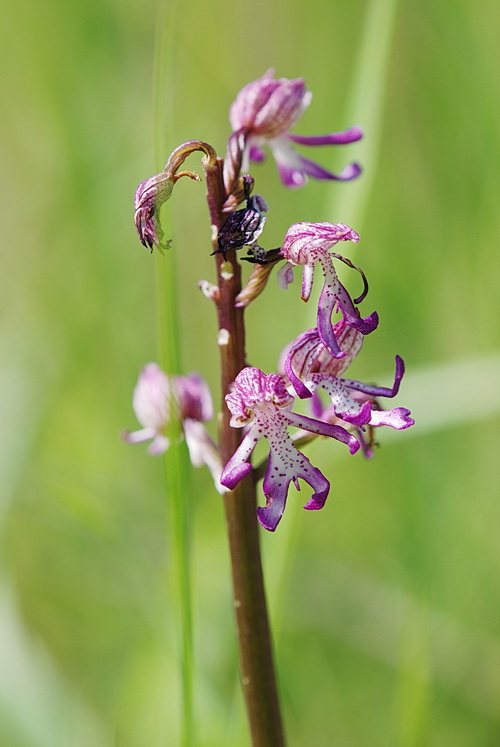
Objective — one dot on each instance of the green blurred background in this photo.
(386, 605)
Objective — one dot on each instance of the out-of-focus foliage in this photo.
(386, 604)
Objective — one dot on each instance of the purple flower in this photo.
(310, 243)
(262, 403)
(155, 395)
(263, 113)
(309, 366)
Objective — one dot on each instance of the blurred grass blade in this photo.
(177, 466)
(366, 108)
(38, 705)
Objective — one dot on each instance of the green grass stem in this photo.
(177, 466)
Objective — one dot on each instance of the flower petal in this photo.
(380, 391)
(151, 399)
(304, 242)
(300, 359)
(334, 138)
(238, 467)
(159, 445)
(283, 108)
(307, 281)
(345, 407)
(138, 437)
(398, 418)
(311, 168)
(323, 429)
(195, 400)
(285, 275)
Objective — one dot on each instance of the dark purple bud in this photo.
(243, 227)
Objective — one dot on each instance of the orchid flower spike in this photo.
(154, 397)
(310, 366)
(263, 113)
(310, 243)
(262, 403)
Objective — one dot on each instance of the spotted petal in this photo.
(280, 473)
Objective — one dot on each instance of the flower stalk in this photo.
(254, 639)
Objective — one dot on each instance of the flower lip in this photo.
(335, 138)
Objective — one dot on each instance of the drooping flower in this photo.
(309, 366)
(153, 192)
(262, 403)
(310, 243)
(149, 197)
(154, 397)
(263, 113)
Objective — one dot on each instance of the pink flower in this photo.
(262, 403)
(154, 397)
(263, 113)
(309, 366)
(309, 244)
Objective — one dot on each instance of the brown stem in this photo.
(256, 658)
